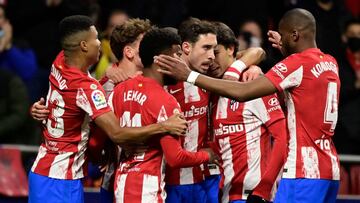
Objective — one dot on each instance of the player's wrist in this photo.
(192, 77)
(235, 69)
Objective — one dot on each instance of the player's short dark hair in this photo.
(72, 25)
(126, 34)
(191, 29)
(155, 42)
(225, 36)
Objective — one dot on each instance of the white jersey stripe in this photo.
(290, 164)
(41, 154)
(79, 160)
(162, 179)
(191, 144)
(191, 93)
(221, 110)
(310, 162)
(226, 155)
(149, 189)
(119, 192)
(59, 166)
(253, 132)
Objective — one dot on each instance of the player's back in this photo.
(311, 84)
(73, 99)
(140, 102)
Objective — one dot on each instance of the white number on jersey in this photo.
(126, 121)
(56, 130)
(331, 109)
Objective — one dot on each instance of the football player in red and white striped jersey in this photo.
(242, 131)
(143, 101)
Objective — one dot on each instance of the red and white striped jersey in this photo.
(242, 135)
(311, 84)
(194, 103)
(73, 99)
(139, 177)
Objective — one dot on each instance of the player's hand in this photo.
(256, 199)
(251, 73)
(173, 66)
(275, 39)
(39, 111)
(175, 125)
(213, 158)
(116, 75)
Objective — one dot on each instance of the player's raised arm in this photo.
(178, 69)
(122, 135)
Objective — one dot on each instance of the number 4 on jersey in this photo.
(331, 109)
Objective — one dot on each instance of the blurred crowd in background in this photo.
(29, 43)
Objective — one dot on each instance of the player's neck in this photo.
(129, 67)
(304, 46)
(76, 61)
(151, 72)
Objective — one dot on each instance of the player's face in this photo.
(175, 49)
(353, 31)
(135, 45)
(93, 44)
(285, 39)
(201, 54)
(223, 59)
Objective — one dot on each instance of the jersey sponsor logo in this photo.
(321, 67)
(174, 91)
(228, 129)
(273, 102)
(234, 105)
(99, 99)
(323, 143)
(195, 111)
(281, 67)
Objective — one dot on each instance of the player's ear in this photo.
(83, 46)
(230, 50)
(129, 52)
(295, 35)
(186, 47)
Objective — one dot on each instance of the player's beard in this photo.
(168, 80)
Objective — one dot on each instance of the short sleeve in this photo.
(90, 97)
(286, 74)
(273, 108)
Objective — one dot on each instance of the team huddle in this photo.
(190, 120)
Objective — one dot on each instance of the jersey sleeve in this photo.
(286, 74)
(273, 108)
(177, 157)
(90, 97)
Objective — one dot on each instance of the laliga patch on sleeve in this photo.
(99, 99)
